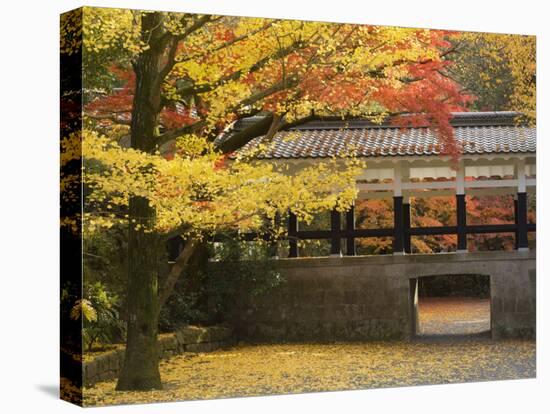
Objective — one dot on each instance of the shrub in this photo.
(206, 294)
(99, 314)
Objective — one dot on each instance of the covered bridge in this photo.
(373, 297)
(499, 157)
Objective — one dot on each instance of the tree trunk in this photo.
(141, 362)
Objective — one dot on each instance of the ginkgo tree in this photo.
(499, 69)
(173, 82)
(195, 194)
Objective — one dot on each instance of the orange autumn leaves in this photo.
(234, 66)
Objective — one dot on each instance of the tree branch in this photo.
(111, 116)
(174, 133)
(229, 43)
(200, 22)
(170, 60)
(281, 53)
(237, 140)
(274, 128)
(171, 41)
(176, 271)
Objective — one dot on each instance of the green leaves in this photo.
(97, 310)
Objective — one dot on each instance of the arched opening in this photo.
(451, 305)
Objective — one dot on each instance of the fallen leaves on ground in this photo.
(248, 370)
(454, 315)
(68, 391)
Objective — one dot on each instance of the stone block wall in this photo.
(327, 303)
(513, 301)
(370, 298)
(189, 339)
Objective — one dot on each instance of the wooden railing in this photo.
(401, 232)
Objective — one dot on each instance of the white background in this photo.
(29, 262)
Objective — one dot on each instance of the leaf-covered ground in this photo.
(248, 370)
(454, 315)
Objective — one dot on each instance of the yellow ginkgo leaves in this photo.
(200, 191)
(83, 308)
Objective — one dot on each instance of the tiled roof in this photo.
(478, 133)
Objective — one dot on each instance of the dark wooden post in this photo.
(522, 242)
(292, 234)
(273, 242)
(398, 225)
(516, 233)
(350, 226)
(407, 226)
(462, 241)
(335, 227)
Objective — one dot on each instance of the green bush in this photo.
(99, 314)
(206, 294)
(105, 259)
(182, 308)
(203, 294)
(239, 265)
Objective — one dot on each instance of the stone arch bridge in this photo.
(373, 297)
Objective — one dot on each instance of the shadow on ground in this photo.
(453, 338)
(51, 390)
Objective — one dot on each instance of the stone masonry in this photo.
(372, 297)
(189, 339)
